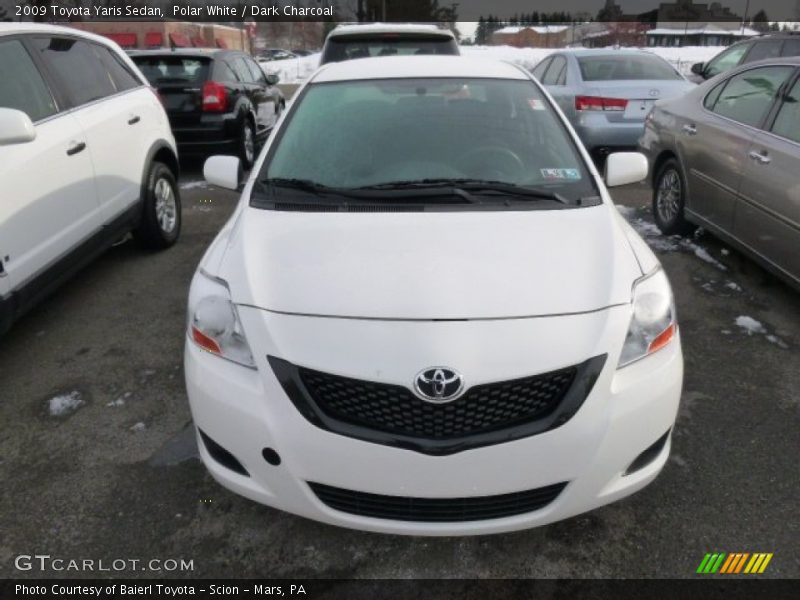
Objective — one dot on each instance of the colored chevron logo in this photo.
(734, 563)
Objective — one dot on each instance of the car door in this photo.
(714, 140)
(763, 50)
(109, 117)
(555, 80)
(768, 212)
(48, 204)
(266, 94)
(258, 98)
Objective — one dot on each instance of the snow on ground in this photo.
(297, 70)
(292, 70)
(750, 326)
(192, 184)
(64, 404)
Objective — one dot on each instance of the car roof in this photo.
(379, 28)
(187, 52)
(400, 67)
(43, 28)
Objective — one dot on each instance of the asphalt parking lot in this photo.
(116, 475)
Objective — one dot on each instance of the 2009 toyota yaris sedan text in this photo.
(426, 315)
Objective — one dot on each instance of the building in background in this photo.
(532, 36)
(168, 34)
(684, 23)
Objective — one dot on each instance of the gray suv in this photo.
(747, 51)
(726, 156)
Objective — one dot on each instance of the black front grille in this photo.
(395, 409)
(436, 510)
(393, 415)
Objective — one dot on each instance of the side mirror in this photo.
(623, 168)
(223, 171)
(273, 78)
(697, 68)
(15, 127)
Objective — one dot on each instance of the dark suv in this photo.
(765, 46)
(218, 101)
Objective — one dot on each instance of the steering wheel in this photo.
(493, 162)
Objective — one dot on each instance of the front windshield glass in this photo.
(361, 134)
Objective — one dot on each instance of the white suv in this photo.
(86, 155)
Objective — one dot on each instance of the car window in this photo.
(540, 69)
(725, 60)
(555, 74)
(787, 123)
(120, 73)
(762, 50)
(625, 67)
(791, 48)
(224, 72)
(241, 69)
(749, 95)
(79, 69)
(350, 47)
(171, 69)
(22, 86)
(711, 98)
(422, 129)
(255, 70)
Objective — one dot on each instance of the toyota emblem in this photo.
(438, 384)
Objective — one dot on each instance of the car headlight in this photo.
(214, 323)
(653, 322)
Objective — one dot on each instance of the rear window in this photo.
(625, 67)
(350, 47)
(173, 69)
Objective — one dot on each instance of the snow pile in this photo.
(297, 70)
(680, 58)
(292, 70)
(64, 404)
(750, 326)
(140, 426)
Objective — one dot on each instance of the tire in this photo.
(247, 144)
(161, 210)
(669, 200)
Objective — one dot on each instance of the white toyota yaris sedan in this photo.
(426, 316)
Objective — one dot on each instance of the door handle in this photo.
(134, 120)
(690, 129)
(760, 157)
(75, 147)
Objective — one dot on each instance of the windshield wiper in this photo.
(473, 185)
(366, 193)
(299, 184)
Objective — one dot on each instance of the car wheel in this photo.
(247, 144)
(161, 210)
(669, 199)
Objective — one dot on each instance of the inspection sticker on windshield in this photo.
(569, 174)
(536, 104)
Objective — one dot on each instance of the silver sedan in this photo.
(606, 94)
(727, 156)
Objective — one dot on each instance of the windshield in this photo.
(173, 69)
(367, 134)
(625, 67)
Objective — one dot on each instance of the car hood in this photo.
(443, 265)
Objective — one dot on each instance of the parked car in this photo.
(217, 100)
(606, 94)
(301, 52)
(727, 155)
(275, 54)
(377, 337)
(346, 42)
(760, 48)
(86, 155)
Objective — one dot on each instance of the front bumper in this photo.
(246, 411)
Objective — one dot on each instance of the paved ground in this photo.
(116, 478)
